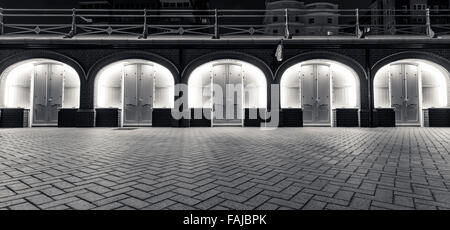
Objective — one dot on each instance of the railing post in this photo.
(358, 31)
(73, 30)
(216, 25)
(287, 35)
(145, 30)
(430, 32)
(1, 22)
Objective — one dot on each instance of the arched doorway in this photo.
(136, 87)
(318, 87)
(410, 86)
(42, 86)
(227, 87)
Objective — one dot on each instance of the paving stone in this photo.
(90, 196)
(134, 203)
(384, 195)
(210, 203)
(52, 191)
(59, 207)
(404, 201)
(6, 193)
(139, 194)
(110, 206)
(235, 205)
(80, 205)
(185, 200)
(39, 199)
(344, 195)
(18, 186)
(24, 206)
(179, 206)
(359, 203)
(162, 205)
(315, 205)
(268, 206)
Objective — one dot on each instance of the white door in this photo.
(315, 87)
(138, 88)
(228, 109)
(308, 93)
(404, 87)
(323, 94)
(47, 93)
(130, 98)
(146, 94)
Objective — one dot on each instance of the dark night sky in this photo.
(220, 4)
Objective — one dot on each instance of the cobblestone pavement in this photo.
(225, 168)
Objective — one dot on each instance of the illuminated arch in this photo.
(345, 85)
(16, 84)
(433, 82)
(108, 85)
(254, 84)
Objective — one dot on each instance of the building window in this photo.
(311, 20)
(420, 7)
(275, 19)
(405, 8)
(330, 21)
(297, 18)
(275, 31)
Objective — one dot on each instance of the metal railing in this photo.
(285, 23)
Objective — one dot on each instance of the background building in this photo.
(319, 18)
(151, 5)
(405, 16)
(144, 4)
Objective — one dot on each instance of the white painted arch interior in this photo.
(41, 85)
(249, 80)
(254, 82)
(144, 84)
(422, 85)
(340, 84)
